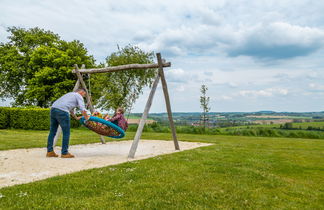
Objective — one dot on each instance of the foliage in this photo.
(4, 117)
(204, 104)
(288, 125)
(36, 66)
(233, 131)
(121, 89)
(27, 118)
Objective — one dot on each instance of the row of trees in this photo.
(36, 69)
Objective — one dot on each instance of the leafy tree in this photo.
(204, 104)
(121, 89)
(36, 66)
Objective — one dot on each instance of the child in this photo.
(119, 119)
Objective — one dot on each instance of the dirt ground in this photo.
(27, 165)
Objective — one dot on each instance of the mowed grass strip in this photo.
(16, 139)
(235, 172)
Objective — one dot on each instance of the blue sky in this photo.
(252, 54)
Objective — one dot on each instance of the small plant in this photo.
(204, 104)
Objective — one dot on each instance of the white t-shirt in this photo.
(69, 101)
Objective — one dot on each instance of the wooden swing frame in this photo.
(160, 75)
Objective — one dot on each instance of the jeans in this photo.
(62, 118)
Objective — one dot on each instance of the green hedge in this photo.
(27, 118)
(4, 117)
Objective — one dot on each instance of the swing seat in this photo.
(103, 127)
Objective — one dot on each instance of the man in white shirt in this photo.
(60, 115)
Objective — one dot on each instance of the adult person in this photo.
(60, 115)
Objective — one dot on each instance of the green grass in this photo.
(234, 173)
(303, 125)
(15, 139)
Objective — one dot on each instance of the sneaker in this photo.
(67, 155)
(51, 154)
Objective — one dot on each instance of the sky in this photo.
(251, 54)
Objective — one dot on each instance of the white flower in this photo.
(22, 194)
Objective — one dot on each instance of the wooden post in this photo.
(83, 85)
(143, 119)
(80, 79)
(167, 101)
(57, 135)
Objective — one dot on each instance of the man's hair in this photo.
(81, 89)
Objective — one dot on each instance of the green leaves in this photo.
(36, 69)
(204, 104)
(121, 89)
(36, 66)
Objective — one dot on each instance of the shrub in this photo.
(4, 117)
(27, 118)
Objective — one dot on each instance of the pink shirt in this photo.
(121, 121)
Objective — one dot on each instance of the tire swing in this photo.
(103, 127)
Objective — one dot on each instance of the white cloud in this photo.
(224, 98)
(176, 75)
(265, 92)
(277, 40)
(318, 87)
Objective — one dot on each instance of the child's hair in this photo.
(121, 110)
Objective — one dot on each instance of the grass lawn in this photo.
(235, 172)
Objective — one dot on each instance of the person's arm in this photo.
(82, 107)
(73, 114)
(116, 117)
(85, 115)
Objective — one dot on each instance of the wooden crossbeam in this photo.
(122, 68)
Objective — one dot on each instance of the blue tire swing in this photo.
(103, 127)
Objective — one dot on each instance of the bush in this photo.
(27, 118)
(4, 117)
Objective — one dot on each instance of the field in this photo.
(236, 172)
(302, 125)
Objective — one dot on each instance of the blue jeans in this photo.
(62, 118)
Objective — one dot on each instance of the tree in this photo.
(121, 89)
(204, 104)
(36, 66)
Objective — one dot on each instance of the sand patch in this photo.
(27, 165)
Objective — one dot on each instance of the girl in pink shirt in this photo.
(119, 119)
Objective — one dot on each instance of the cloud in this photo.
(265, 92)
(316, 87)
(278, 40)
(177, 76)
(224, 98)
